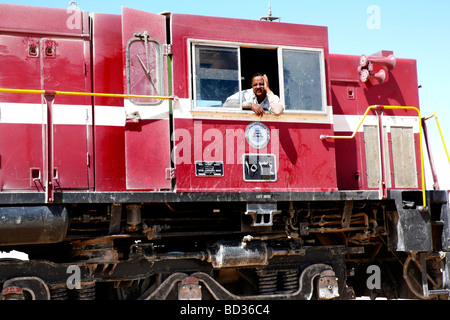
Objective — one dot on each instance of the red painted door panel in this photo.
(49, 64)
(65, 68)
(147, 135)
(109, 129)
(20, 115)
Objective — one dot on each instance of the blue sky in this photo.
(414, 29)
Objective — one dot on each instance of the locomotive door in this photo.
(65, 67)
(20, 115)
(147, 135)
(50, 64)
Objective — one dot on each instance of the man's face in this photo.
(258, 87)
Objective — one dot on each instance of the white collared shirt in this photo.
(270, 103)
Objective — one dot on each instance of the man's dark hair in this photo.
(258, 74)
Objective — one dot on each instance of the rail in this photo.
(49, 96)
(379, 108)
(430, 156)
(440, 132)
(322, 137)
(90, 94)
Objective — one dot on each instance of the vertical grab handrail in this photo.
(433, 169)
(49, 96)
(440, 132)
(442, 137)
(382, 107)
(383, 186)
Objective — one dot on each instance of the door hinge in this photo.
(167, 49)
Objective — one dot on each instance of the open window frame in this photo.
(214, 71)
(280, 80)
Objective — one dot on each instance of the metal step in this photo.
(438, 291)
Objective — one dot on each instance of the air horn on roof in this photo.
(366, 63)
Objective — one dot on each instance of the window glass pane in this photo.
(216, 75)
(144, 71)
(302, 80)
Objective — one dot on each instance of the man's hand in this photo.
(266, 84)
(258, 110)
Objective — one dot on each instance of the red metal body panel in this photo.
(398, 89)
(40, 20)
(72, 137)
(21, 154)
(297, 160)
(109, 117)
(147, 143)
(21, 142)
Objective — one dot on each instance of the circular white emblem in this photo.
(257, 135)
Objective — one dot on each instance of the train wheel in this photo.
(419, 276)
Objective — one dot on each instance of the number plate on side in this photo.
(208, 169)
(259, 167)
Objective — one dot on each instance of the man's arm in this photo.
(232, 101)
(276, 107)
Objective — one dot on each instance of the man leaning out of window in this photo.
(259, 98)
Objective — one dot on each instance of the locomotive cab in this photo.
(219, 62)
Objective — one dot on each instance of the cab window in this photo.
(303, 86)
(296, 75)
(216, 75)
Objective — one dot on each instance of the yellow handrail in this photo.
(322, 137)
(90, 94)
(442, 137)
(440, 132)
(381, 107)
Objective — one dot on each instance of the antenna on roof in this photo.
(73, 3)
(269, 16)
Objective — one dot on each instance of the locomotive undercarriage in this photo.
(289, 249)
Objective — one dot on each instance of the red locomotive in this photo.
(126, 174)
